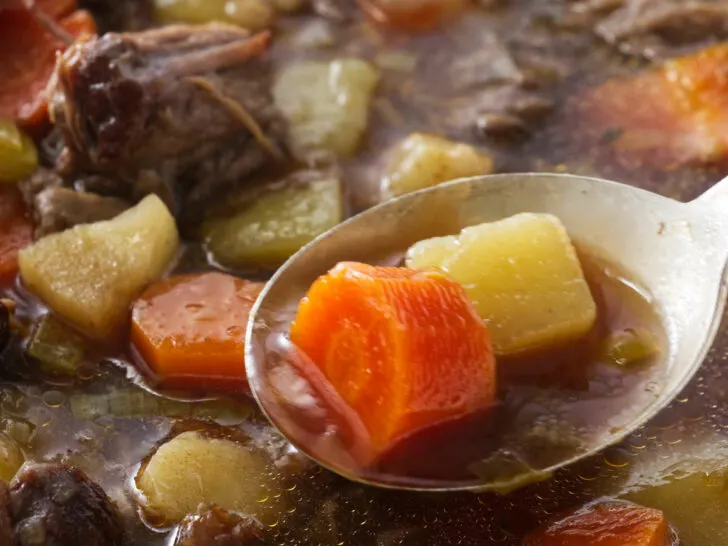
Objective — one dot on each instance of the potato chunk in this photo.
(421, 161)
(267, 229)
(523, 275)
(326, 103)
(250, 14)
(90, 274)
(191, 469)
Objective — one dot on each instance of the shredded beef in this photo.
(55, 505)
(181, 111)
(656, 29)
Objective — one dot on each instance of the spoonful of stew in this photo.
(483, 333)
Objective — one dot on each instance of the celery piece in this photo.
(267, 230)
(629, 346)
(18, 155)
(57, 347)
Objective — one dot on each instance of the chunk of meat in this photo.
(608, 524)
(486, 89)
(665, 118)
(189, 104)
(7, 535)
(55, 505)
(659, 28)
(214, 526)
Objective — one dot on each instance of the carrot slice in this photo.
(412, 15)
(29, 56)
(404, 349)
(190, 330)
(16, 231)
(665, 118)
(612, 524)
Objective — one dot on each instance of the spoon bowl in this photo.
(677, 251)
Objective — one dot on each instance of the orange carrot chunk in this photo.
(29, 56)
(404, 349)
(613, 524)
(190, 330)
(412, 15)
(667, 117)
(16, 231)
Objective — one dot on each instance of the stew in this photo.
(159, 159)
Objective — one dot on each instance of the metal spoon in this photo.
(677, 251)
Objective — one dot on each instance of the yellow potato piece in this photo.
(91, 273)
(421, 161)
(523, 275)
(191, 469)
(326, 103)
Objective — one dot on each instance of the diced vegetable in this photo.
(20, 430)
(523, 275)
(666, 117)
(29, 55)
(251, 14)
(90, 274)
(136, 402)
(412, 15)
(57, 347)
(191, 469)
(18, 156)
(16, 230)
(190, 330)
(421, 161)
(404, 349)
(630, 346)
(607, 524)
(693, 499)
(326, 103)
(11, 458)
(269, 228)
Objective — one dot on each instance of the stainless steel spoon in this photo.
(677, 251)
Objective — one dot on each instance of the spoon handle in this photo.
(716, 198)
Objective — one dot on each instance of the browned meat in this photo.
(213, 526)
(54, 505)
(184, 111)
(489, 91)
(659, 28)
(7, 535)
(56, 207)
